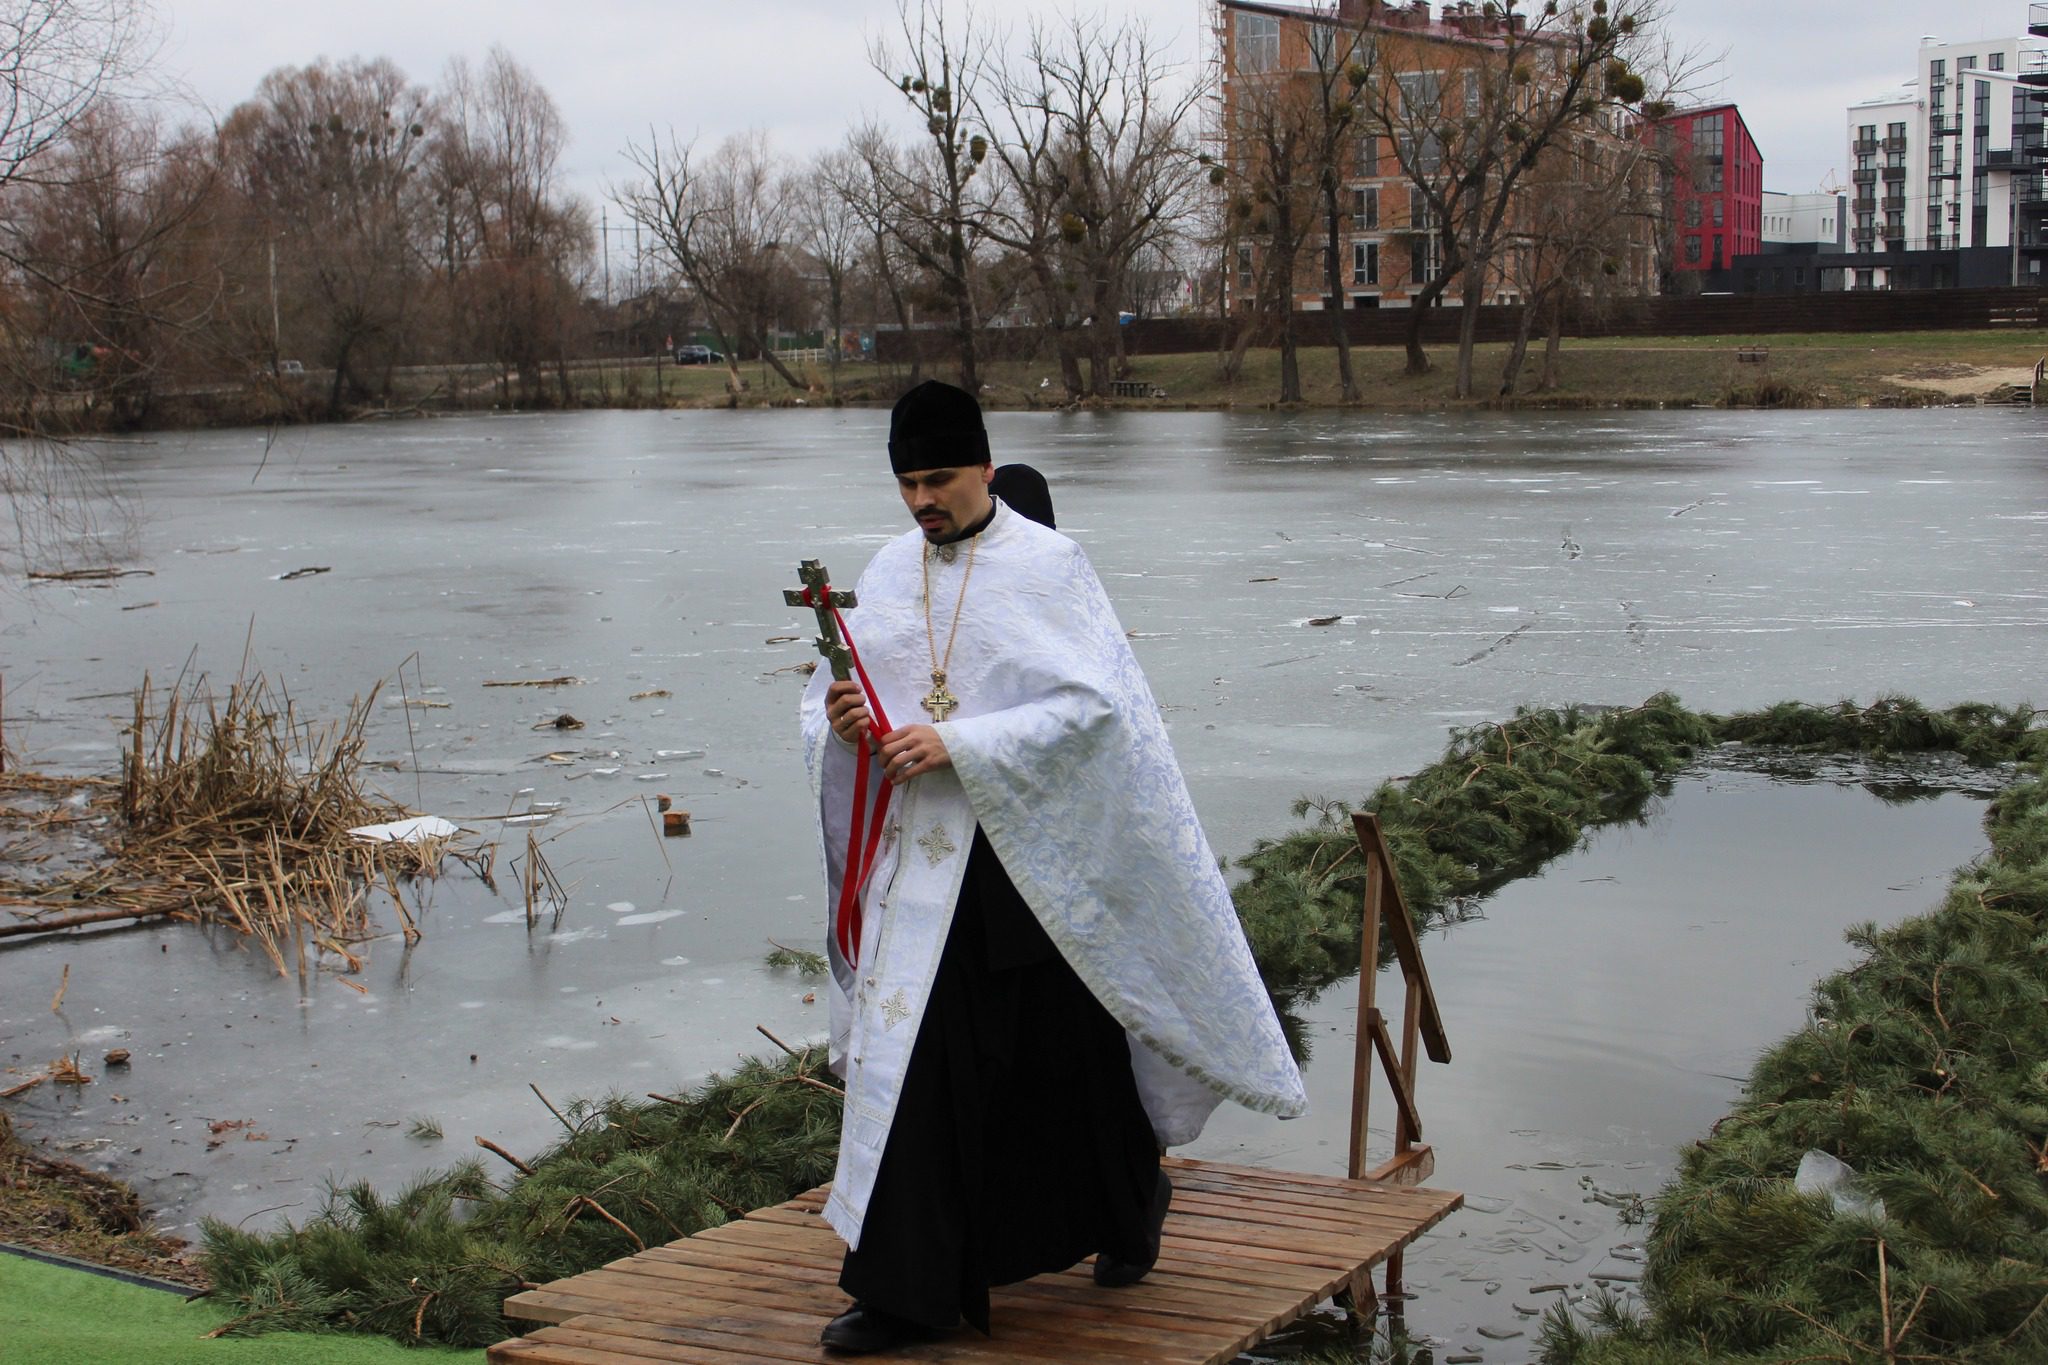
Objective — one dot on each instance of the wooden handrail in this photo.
(1422, 1027)
(1402, 927)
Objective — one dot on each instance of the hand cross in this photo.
(817, 594)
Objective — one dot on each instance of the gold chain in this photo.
(940, 665)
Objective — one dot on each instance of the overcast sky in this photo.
(799, 67)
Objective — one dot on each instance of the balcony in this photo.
(1895, 204)
(1863, 205)
(1864, 239)
(1895, 172)
(1864, 146)
(1868, 177)
(1944, 126)
(2004, 159)
(1895, 144)
(2037, 20)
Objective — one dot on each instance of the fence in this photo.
(1718, 315)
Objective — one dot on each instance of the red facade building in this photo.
(1716, 195)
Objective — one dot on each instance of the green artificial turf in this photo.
(50, 1315)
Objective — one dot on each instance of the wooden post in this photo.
(1368, 974)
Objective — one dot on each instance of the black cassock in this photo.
(1019, 1145)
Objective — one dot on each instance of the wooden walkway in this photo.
(1246, 1252)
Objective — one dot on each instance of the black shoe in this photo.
(861, 1331)
(1113, 1272)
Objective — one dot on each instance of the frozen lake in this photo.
(1474, 563)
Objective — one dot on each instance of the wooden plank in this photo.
(1411, 1167)
(1246, 1252)
(1411, 1118)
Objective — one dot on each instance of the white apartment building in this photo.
(1804, 220)
(1943, 164)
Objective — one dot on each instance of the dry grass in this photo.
(232, 812)
(1822, 369)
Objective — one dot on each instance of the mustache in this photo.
(932, 511)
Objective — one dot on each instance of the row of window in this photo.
(1423, 261)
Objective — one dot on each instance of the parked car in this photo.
(698, 355)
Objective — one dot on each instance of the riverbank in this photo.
(1801, 370)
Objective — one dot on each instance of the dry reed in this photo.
(237, 812)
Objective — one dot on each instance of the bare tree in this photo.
(326, 157)
(720, 222)
(1116, 157)
(104, 260)
(831, 229)
(60, 61)
(866, 183)
(940, 209)
(1274, 124)
(512, 243)
(1468, 115)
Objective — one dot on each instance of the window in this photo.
(1421, 93)
(1244, 267)
(1322, 45)
(1472, 100)
(1365, 208)
(1258, 42)
(1692, 213)
(1365, 262)
(1692, 251)
(1427, 255)
(1938, 68)
(1707, 147)
(1368, 156)
(1998, 61)
(1863, 278)
(1966, 64)
(1717, 213)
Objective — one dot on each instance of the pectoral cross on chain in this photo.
(818, 595)
(939, 701)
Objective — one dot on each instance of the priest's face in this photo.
(946, 501)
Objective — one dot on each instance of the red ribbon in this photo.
(863, 837)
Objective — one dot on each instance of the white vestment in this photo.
(1059, 753)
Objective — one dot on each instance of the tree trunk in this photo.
(1070, 363)
(1290, 360)
(1340, 331)
(1231, 364)
(1418, 312)
(963, 314)
(1468, 329)
(1518, 353)
(1548, 379)
(774, 362)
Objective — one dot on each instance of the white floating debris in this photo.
(416, 830)
(622, 907)
(649, 777)
(540, 819)
(546, 807)
(650, 917)
(679, 753)
(604, 772)
(675, 962)
(506, 917)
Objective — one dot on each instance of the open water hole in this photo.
(1473, 563)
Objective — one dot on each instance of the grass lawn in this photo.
(1823, 369)
(50, 1315)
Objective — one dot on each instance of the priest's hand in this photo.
(846, 711)
(912, 752)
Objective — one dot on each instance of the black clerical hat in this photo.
(1023, 488)
(936, 426)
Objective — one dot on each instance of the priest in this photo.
(1038, 981)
